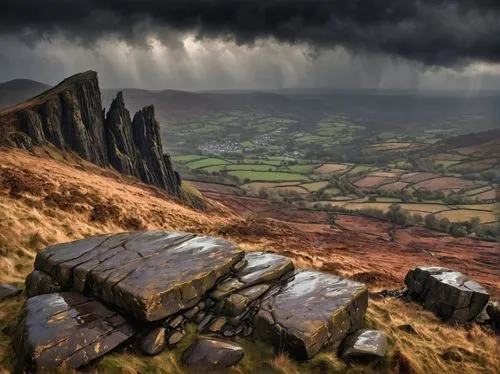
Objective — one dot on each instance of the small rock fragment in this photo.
(247, 330)
(175, 338)
(493, 310)
(364, 345)
(153, 341)
(240, 265)
(408, 329)
(205, 322)
(235, 304)
(191, 313)
(212, 354)
(217, 324)
(176, 322)
(39, 283)
(452, 355)
(225, 288)
(254, 292)
(200, 317)
(8, 290)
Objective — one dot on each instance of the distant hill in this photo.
(17, 90)
(171, 106)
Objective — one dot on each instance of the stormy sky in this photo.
(255, 44)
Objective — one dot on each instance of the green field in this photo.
(334, 159)
(239, 167)
(267, 176)
(207, 162)
(187, 158)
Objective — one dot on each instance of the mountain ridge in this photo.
(71, 117)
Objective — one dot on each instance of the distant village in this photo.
(230, 146)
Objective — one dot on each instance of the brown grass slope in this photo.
(47, 198)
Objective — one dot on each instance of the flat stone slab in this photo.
(149, 275)
(264, 267)
(8, 291)
(260, 267)
(311, 310)
(364, 345)
(67, 328)
(449, 294)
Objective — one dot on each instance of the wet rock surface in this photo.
(150, 275)
(364, 345)
(212, 354)
(310, 311)
(153, 341)
(67, 328)
(493, 311)
(39, 283)
(160, 281)
(449, 294)
(8, 291)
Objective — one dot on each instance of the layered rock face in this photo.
(134, 147)
(449, 294)
(70, 116)
(159, 281)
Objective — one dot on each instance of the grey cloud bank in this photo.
(224, 44)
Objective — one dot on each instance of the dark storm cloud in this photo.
(434, 32)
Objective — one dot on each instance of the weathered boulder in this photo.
(8, 290)
(39, 283)
(66, 328)
(449, 294)
(310, 311)
(148, 275)
(364, 345)
(153, 341)
(212, 354)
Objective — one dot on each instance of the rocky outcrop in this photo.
(149, 275)
(70, 116)
(160, 281)
(449, 294)
(134, 147)
(66, 328)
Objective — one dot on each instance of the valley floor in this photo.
(45, 199)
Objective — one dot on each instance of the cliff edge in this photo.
(70, 116)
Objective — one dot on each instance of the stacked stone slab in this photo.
(154, 283)
(449, 294)
(66, 327)
(309, 311)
